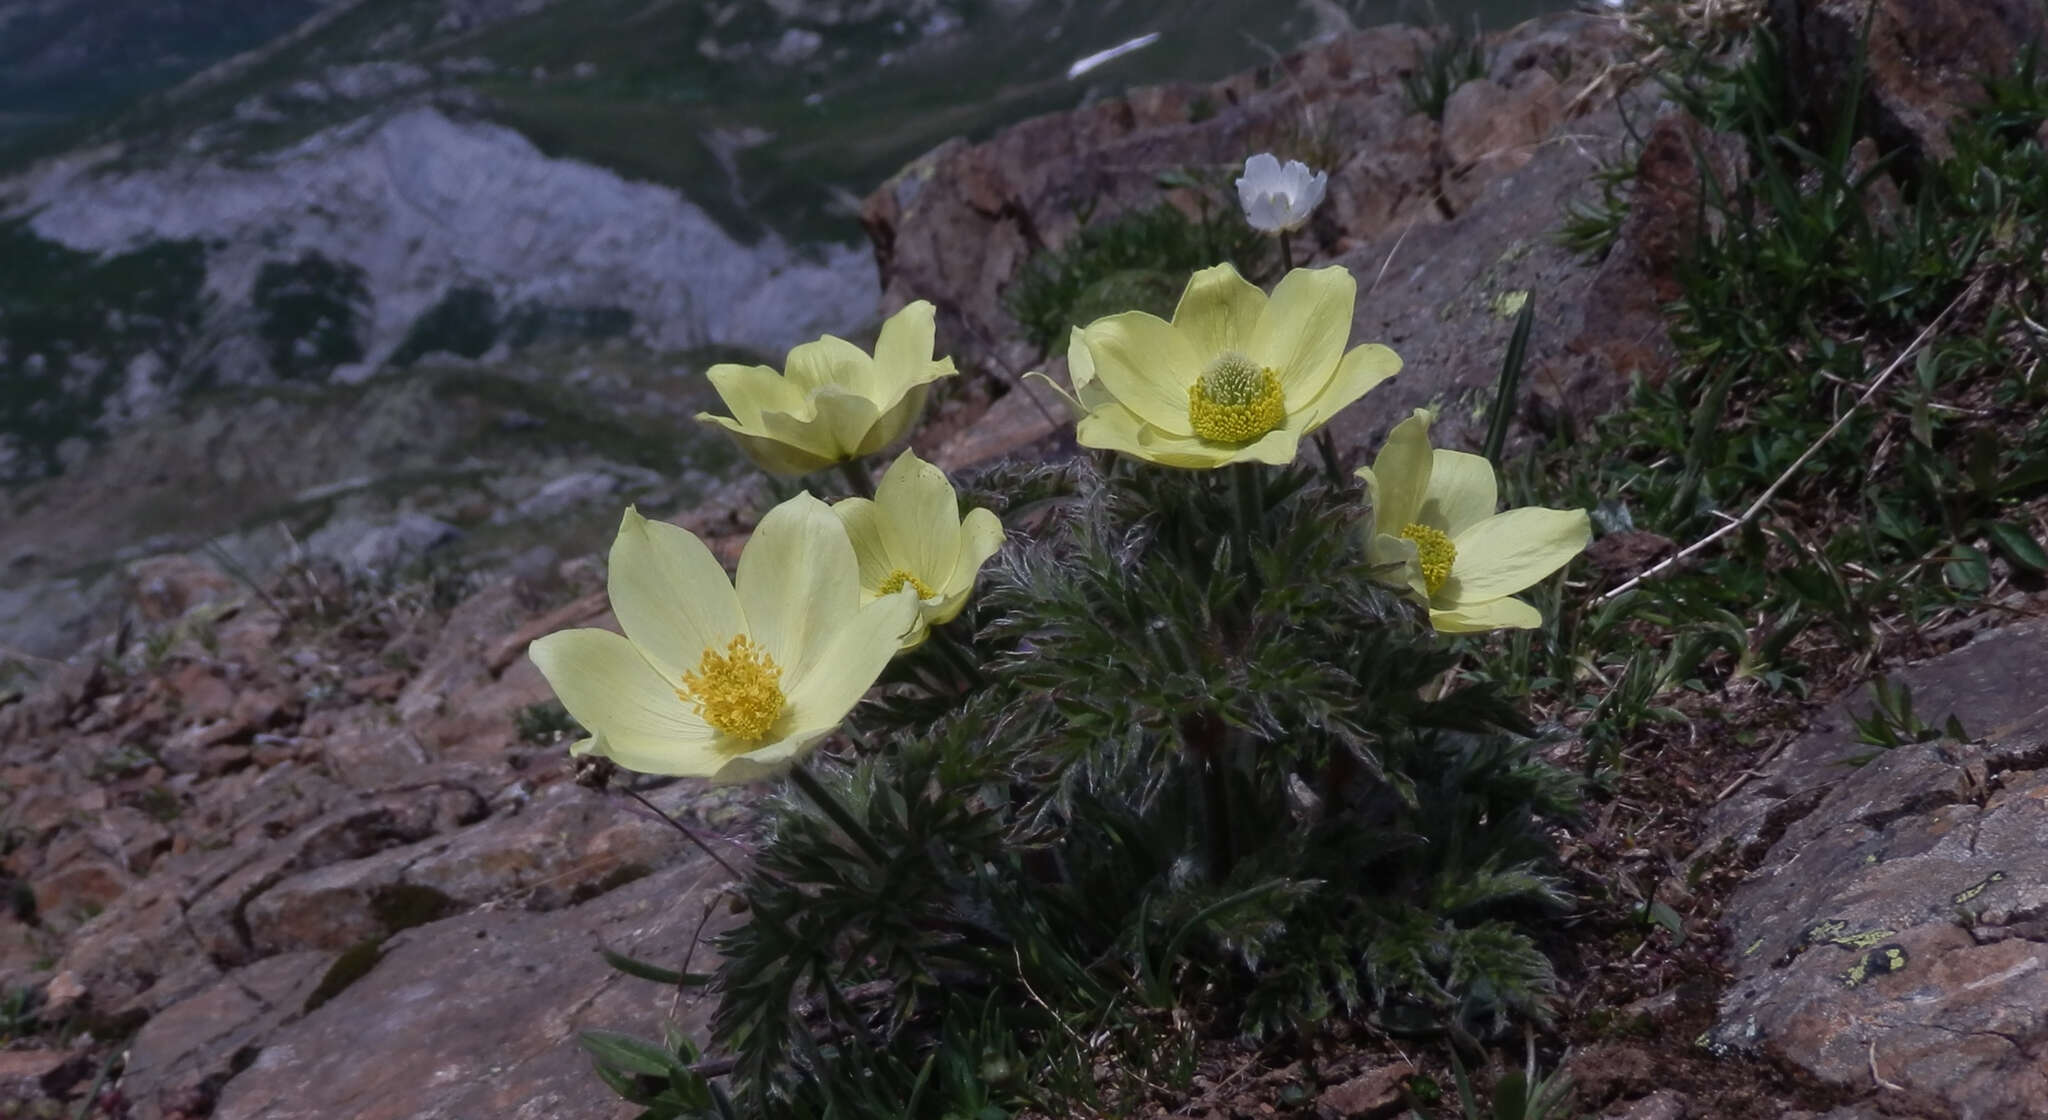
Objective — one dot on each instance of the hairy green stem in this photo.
(1249, 513)
(682, 828)
(1327, 448)
(856, 474)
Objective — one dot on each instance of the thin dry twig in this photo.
(1812, 449)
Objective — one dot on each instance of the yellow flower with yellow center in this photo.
(832, 402)
(1436, 535)
(1236, 376)
(731, 679)
(911, 534)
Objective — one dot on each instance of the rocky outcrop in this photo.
(1918, 64)
(1894, 936)
(477, 1016)
(422, 209)
(957, 224)
(1447, 223)
(277, 827)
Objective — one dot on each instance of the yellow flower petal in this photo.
(789, 456)
(1218, 311)
(1147, 366)
(1499, 614)
(981, 535)
(846, 420)
(1116, 428)
(895, 423)
(864, 527)
(1462, 491)
(1364, 367)
(833, 362)
(798, 583)
(921, 516)
(903, 351)
(1072, 402)
(637, 719)
(1088, 388)
(671, 596)
(1276, 448)
(1397, 562)
(849, 659)
(769, 760)
(1509, 551)
(1399, 475)
(1302, 334)
(749, 391)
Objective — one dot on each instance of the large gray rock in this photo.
(368, 549)
(1894, 932)
(422, 204)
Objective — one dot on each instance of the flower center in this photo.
(896, 581)
(1435, 552)
(1235, 400)
(738, 691)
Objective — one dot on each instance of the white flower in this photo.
(1277, 199)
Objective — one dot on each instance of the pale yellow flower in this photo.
(730, 680)
(1236, 376)
(912, 535)
(1435, 534)
(832, 402)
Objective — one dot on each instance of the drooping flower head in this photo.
(1435, 534)
(1236, 376)
(911, 534)
(832, 402)
(1277, 199)
(731, 680)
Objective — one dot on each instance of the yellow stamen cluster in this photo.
(738, 691)
(1435, 552)
(896, 581)
(1235, 401)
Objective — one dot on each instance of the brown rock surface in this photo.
(204, 828)
(1894, 933)
(1924, 64)
(476, 1016)
(182, 1057)
(1443, 296)
(1621, 330)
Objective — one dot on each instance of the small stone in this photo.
(62, 993)
(1660, 1105)
(1369, 1096)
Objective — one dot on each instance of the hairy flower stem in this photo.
(1249, 512)
(1222, 837)
(856, 474)
(682, 828)
(1206, 736)
(1286, 254)
(1327, 447)
(836, 809)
